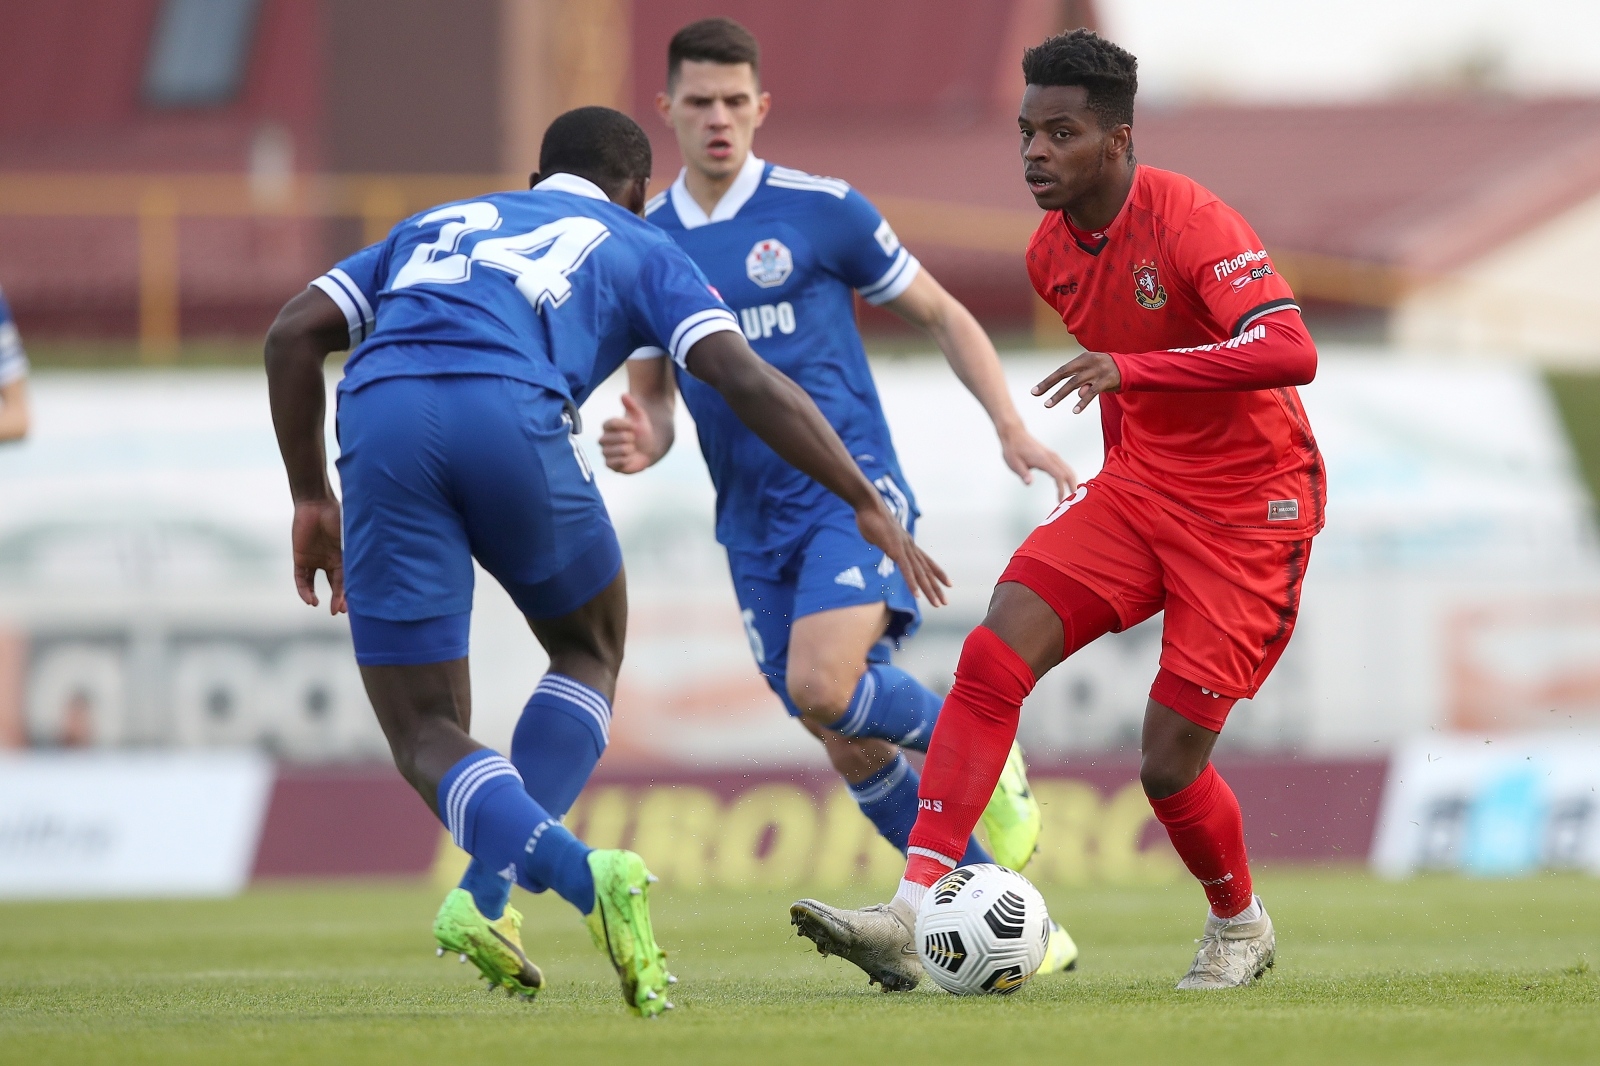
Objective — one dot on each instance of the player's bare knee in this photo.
(590, 654)
(596, 667)
(821, 697)
(1163, 774)
(1027, 625)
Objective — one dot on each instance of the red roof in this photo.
(1423, 186)
(1426, 186)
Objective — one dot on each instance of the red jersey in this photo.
(1208, 339)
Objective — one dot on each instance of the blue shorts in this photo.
(437, 471)
(832, 566)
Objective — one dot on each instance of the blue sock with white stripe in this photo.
(492, 818)
(890, 704)
(560, 737)
(889, 800)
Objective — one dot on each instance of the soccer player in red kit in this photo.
(1211, 492)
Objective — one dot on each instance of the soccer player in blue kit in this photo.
(822, 607)
(477, 329)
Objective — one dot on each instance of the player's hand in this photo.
(1088, 375)
(1024, 453)
(924, 575)
(316, 547)
(628, 443)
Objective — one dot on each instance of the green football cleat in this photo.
(620, 928)
(1060, 952)
(495, 948)
(1012, 819)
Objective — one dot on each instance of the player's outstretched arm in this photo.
(781, 414)
(927, 305)
(645, 431)
(1277, 352)
(308, 328)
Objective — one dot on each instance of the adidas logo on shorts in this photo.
(851, 577)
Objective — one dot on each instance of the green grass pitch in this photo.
(1433, 970)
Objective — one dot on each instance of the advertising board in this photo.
(118, 824)
(1491, 806)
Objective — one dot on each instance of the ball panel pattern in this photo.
(945, 950)
(1006, 916)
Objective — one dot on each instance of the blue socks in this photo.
(491, 817)
(560, 737)
(891, 705)
(889, 800)
(490, 891)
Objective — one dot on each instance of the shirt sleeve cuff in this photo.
(648, 351)
(1127, 371)
(699, 326)
(901, 273)
(358, 317)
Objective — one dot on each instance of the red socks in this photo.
(968, 750)
(973, 737)
(1207, 829)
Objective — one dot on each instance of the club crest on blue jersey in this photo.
(769, 263)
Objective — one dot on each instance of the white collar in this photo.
(573, 184)
(744, 186)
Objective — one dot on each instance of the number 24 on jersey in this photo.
(540, 260)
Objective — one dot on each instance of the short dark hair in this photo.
(717, 40)
(1083, 57)
(597, 143)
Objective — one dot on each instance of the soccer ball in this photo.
(982, 931)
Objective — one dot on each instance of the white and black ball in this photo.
(982, 931)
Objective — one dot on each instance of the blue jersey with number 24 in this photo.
(554, 286)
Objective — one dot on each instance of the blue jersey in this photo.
(13, 361)
(788, 250)
(554, 286)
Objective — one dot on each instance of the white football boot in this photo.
(881, 939)
(1232, 954)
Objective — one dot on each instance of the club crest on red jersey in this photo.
(1147, 287)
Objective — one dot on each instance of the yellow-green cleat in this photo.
(620, 928)
(1012, 819)
(494, 947)
(1060, 952)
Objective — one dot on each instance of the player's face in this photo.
(715, 109)
(1065, 152)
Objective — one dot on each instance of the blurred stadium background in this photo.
(175, 722)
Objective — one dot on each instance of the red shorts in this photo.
(1230, 602)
